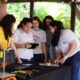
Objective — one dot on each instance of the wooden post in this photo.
(78, 13)
(31, 8)
(73, 13)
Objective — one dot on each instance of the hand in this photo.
(19, 61)
(1, 47)
(56, 61)
(27, 45)
(45, 60)
(62, 61)
(36, 48)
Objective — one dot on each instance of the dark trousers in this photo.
(28, 61)
(39, 58)
(74, 61)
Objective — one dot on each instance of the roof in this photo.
(39, 0)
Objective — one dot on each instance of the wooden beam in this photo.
(73, 12)
(31, 8)
(17, 1)
(10, 1)
(78, 13)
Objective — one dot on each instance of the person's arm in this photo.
(19, 45)
(27, 45)
(43, 44)
(16, 40)
(57, 57)
(3, 44)
(44, 51)
(16, 52)
(73, 47)
(14, 48)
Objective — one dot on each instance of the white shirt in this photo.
(39, 37)
(21, 37)
(66, 37)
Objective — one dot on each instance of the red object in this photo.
(10, 78)
(2, 64)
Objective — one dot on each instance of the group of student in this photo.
(51, 36)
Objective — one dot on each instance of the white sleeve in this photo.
(16, 36)
(69, 36)
(43, 38)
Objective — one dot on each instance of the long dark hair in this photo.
(44, 21)
(56, 34)
(6, 24)
(39, 21)
(24, 21)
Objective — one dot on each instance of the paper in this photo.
(5, 74)
(49, 64)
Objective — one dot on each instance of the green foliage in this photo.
(77, 28)
(59, 11)
(77, 24)
(19, 10)
(40, 11)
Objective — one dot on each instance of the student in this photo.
(6, 25)
(47, 20)
(6, 36)
(65, 42)
(22, 38)
(39, 36)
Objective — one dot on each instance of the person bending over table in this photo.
(65, 42)
(21, 38)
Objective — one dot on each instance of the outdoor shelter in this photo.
(72, 3)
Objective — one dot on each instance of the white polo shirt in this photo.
(66, 37)
(21, 37)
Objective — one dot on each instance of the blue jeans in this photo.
(74, 61)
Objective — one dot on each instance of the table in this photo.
(50, 73)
